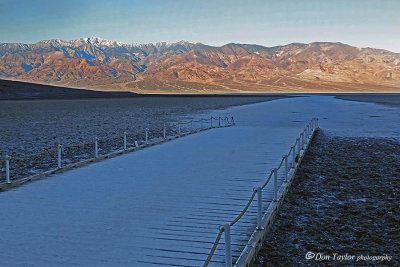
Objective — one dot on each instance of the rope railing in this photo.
(304, 139)
(140, 138)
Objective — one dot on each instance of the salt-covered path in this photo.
(162, 205)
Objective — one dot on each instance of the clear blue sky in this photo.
(215, 22)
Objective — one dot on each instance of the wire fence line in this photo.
(289, 161)
(18, 167)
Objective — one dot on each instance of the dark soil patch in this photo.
(345, 199)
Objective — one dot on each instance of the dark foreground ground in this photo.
(14, 90)
(344, 200)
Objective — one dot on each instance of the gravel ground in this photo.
(32, 126)
(344, 200)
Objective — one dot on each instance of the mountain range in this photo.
(184, 67)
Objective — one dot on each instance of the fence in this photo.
(54, 159)
(289, 161)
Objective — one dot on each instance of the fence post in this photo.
(165, 132)
(211, 121)
(275, 184)
(293, 155)
(286, 167)
(228, 249)
(219, 122)
(7, 162)
(298, 146)
(147, 135)
(302, 135)
(191, 126)
(179, 129)
(306, 131)
(125, 140)
(96, 147)
(136, 144)
(259, 208)
(233, 121)
(59, 150)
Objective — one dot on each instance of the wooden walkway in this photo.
(162, 205)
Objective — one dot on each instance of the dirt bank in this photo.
(345, 199)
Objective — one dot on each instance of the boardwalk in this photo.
(163, 205)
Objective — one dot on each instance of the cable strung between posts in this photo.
(32, 155)
(80, 144)
(214, 247)
(136, 133)
(280, 165)
(268, 179)
(244, 210)
(109, 138)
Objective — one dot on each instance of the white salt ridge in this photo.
(98, 41)
(163, 204)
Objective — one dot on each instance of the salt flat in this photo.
(163, 205)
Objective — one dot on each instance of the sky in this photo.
(214, 22)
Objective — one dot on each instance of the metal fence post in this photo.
(259, 208)
(306, 131)
(228, 249)
(293, 155)
(165, 131)
(96, 147)
(302, 139)
(7, 162)
(211, 121)
(219, 122)
(125, 140)
(275, 184)
(298, 146)
(286, 167)
(147, 135)
(59, 150)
